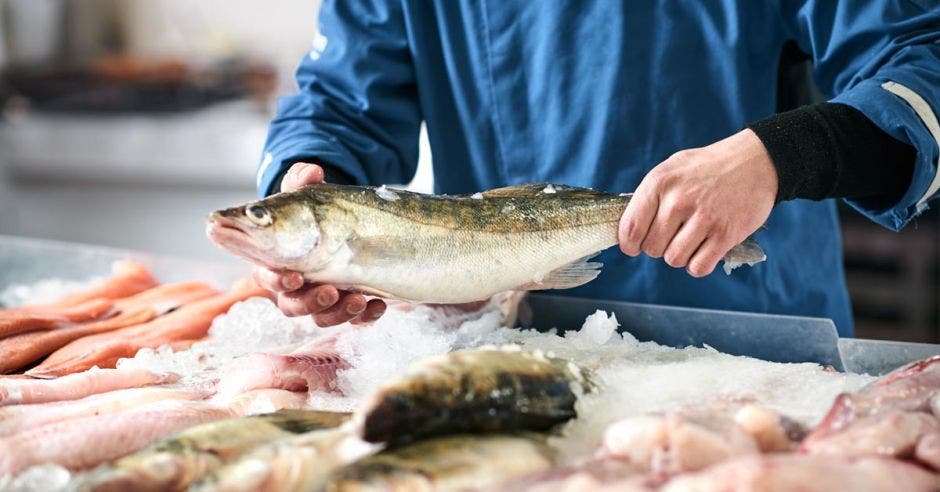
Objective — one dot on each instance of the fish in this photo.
(894, 434)
(15, 391)
(178, 460)
(785, 472)
(433, 249)
(88, 441)
(85, 442)
(20, 321)
(693, 438)
(294, 464)
(20, 350)
(308, 368)
(909, 388)
(479, 390)
(451, 463)
(191, 321)
(18, 418)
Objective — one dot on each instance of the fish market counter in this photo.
(776, 338)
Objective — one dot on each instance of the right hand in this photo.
(328, 305)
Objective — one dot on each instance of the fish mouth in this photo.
(231, 236)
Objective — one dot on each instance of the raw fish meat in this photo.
(88, 441)
(20, 350)
(18, 418)
(795, 472)
(309, 368)
(14, 391)
(189, 322)
(20, 321)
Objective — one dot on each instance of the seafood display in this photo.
(199, 389)
(433, 249)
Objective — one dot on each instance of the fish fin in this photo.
(578, 272)
(538, 189)
(747, 253)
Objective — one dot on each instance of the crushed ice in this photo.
(386, 194)
(633, 377)
(549, 189)
(477, 196)
(43, 291)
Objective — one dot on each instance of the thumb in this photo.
(301, 174)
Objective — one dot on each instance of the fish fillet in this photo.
(309, 368)
(20, 321)
(785, 472)
(17, 418)
(20, 350)
(14, 391)
(89, 441)
(192, 321)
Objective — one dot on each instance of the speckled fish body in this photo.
(295, 464)
(481, 390)
(176, 461)
(426, 248)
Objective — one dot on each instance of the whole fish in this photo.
(438, 249)
(298, 463)
(176, 461)
(463, 462)
(481, 390)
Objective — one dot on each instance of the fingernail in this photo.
(355, 308)
(291, 282)
(324, 299)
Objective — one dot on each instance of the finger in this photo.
(277, 281)
(636, 219)
(661, 232)
(704, 260)
(348, 307)
(308, 300)
(375, 308)
(301, 174)
(685, 243)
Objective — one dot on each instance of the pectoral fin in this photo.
(571, 275)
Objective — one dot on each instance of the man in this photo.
(631, 95)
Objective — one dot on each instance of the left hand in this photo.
(696, 205)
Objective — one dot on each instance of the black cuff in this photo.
(331, 174)
(831, 150)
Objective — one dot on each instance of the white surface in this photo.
(217, 145)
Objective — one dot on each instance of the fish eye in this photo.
(259, 215)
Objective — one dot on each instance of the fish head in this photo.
(275, 232)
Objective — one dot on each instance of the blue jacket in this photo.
(596, 93)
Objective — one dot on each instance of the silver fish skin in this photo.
(433, 249)
(453, 463)
(176, 461)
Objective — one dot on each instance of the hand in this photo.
(328, 305)
(692, 208)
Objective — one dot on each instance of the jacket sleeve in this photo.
(356, 108)
(881, 57)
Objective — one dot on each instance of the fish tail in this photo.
(747, 253)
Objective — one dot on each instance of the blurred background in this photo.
(125, 122)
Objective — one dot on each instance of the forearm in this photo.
(833, 151)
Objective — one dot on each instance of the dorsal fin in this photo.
(533, 189)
